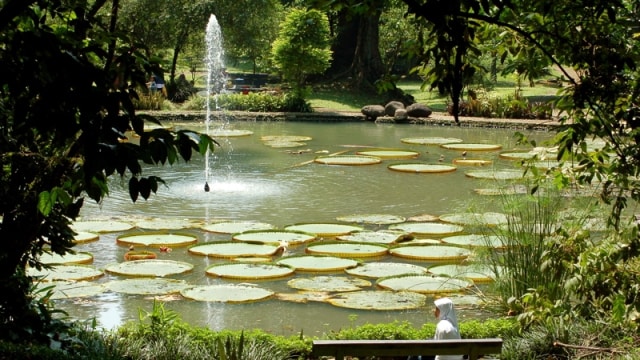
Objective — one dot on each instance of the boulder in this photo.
(372, 112)
(392, 106)
(418, 110)
(400, 116)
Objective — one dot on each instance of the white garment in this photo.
(447, 327)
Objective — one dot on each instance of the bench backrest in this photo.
(471, 347)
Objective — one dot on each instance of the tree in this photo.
(302, 46)
(67, 80)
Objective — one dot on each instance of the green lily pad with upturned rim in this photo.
(428, 228)
(486, 218)
(233, 227)
(471, 147)
(291, 237)
(347, 249)
(294, 138)
(324, 229)
(431, 252)
(508, 190)
(424, 284)
(51, 258)
(230, 132)
(249, 271)
(147, 286)
(379, 300)
(476, 274)
(377, 219)
(158, 239)
(167, 224)
(517, 155)
(66, 272)
(101, 226)
(390, 153)
(378, 237)
(233, 249)
(471, 162)
(431, 140)
(149, 268)
(317, 263)
(474, 240)
(419, 168)
(284, 144)
(504, 174)
(227, 293)
(71, 289)
(85, 236)
(382, 269)
(348, 160)
(328, 283)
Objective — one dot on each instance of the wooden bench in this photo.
(474, 348)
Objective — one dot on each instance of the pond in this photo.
(281, 186)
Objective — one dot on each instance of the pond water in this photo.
(281, 186)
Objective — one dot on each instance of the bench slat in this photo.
(341, 348)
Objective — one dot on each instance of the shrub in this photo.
(253, 101)
(510, 107)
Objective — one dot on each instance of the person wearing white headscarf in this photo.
(447, 327)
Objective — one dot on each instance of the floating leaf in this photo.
(146, 286)
(71, 289)
(101, 226)
(139, 255)
(428, 228)
(379, 300)
(505, 174)
(285, 138)
(379, 237)
(275, 236)
(85, 236)
(304, 296)
(382, 269)
(348, 249)
(471, 147)
(328, 283)
(65, 272)
(249, 271)
(475, 273)
(378, 219)
(431, 252)
(48, 257)
(158, 239)
(472, 162)
(348, 160)
(324, 229)
(233, 249)
(422, 168)
(390, 153)
(423, 218)
(474, 240)
(487, 218)
(431, 140)
(425, 284)
(317, 263)
(284, 144)
(227, 293)
(517, 155)
(167, 224)
(158, 268)
(230, 133)
(232, 227)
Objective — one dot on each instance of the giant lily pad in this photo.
(230, 132)
(275, 236)
(154, 267)
(390, 153)
(472, 147)
(284, 144)
(167, 224)
(431, 140)
(348, 160)
(66, 272)
(379, 237)
(285, 138)
(232, 227)
(428, 228)
(158, 239)
(377, 219)
(382, 269)
(249, 271)
(71, 289)
(475, 273)
(487, 218)
(431, 252)
(348, 249)
(233, 249)
(146, 286)
(85, 236)
(517, 155)
(317, 263)
(505, 174)
(425, 284)
(69, 258)
(472, 162)
(324, 229)
(328, 283)
(474, 240)
(227, 293)
(379, 300)
(101, 226)
(422, 168)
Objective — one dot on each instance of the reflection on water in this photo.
(251, 181)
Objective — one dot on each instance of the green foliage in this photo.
(153, 101)
(254, 101)
(302, 46)
(510, 107)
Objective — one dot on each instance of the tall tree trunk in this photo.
(367, 66)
